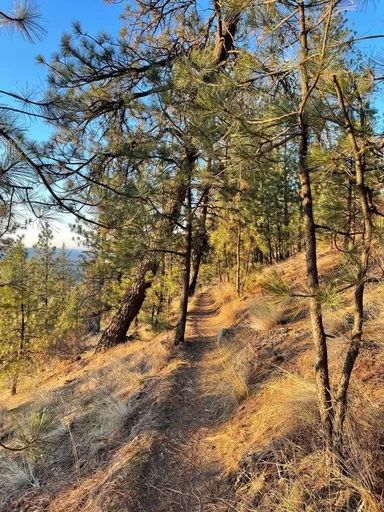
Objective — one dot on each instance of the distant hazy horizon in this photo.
(72, 253)
(62, 234)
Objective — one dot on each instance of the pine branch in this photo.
(25, 18)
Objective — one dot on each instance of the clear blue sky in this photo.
(18, 65)
(367, 19)
(19, 71)
(18, 68)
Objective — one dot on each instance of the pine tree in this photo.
(17, 325)
(45, 276)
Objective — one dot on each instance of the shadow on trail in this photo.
(177, 476)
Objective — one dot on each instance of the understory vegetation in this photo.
(217, 345)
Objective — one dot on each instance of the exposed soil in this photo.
(164, 460)
(177, 476)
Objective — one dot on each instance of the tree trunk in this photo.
(132, 301)
(238, 238)
(94, 322)
(195, 272)
(269, 241)
(129, 307)
(341, 399)
(20, 351)
(183, 308)
(22, 332)
(238, 260)
(286, 248)
(318, 334)
(347, 238)
(227, 266)
(201, 244)
(134, 298)
(15, 379)
(219, 271)
(225, 36)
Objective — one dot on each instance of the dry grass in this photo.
(269, 440)
(273, 453)
(227, 372)
(285, 405)
(84, 421)
(263, 316)
(105, 413)
(307, 484)
(224, 293)
(231, 307)
(111, 487)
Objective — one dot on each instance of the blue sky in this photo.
(20, 72)
(18, 68)
(18, 65)
(367, 18)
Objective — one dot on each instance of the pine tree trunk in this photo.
(14, 384)
(133, 299)
(129, 307)
(341, 399)
(219, 271)
(195, 273)
(238, 240)
(318, 334)
(201, 245)
(285, 248)
(347, 238)
(183, 308)
(20, 351)
(238, 260)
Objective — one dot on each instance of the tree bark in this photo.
(183, 308)
(20, 351)
(341, 399)
(134, 297)
(129, 307)
(347, 238)
(286, 247)
(318, 334)
(238, 259)
(201, 244)
(238, 238)
(226, 31)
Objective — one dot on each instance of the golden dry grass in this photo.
(226, 378)
(285, 405)
(264, 315)
(258, 392)
(102, 419)
(269, 443)
(224, 293)
(108, 487)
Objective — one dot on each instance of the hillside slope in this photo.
(228, 425)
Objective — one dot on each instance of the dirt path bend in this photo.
(179, 477)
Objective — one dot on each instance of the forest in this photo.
(215, 342)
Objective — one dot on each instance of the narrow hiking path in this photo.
(179, 477)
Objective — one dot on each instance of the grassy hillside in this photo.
(228, 422)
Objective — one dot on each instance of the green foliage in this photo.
(33, 429)
(276, 286)
(329, 296)
(36, 291)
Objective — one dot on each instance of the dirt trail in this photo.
(178, 477)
